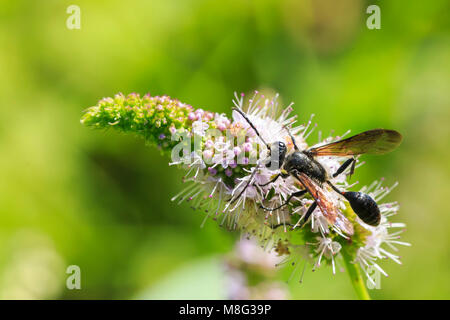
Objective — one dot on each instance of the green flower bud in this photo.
(152, 118)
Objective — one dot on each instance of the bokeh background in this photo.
(100, 200)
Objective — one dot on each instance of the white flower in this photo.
(328, 248)
(233, 183)
(199, 128)
(261, 113)
(220, 144)
(380, 239)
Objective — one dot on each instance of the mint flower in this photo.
(153, 118)
(226, 177)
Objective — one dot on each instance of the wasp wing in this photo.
(328, 208)
(377, 141)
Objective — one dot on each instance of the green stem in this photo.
(356, 278)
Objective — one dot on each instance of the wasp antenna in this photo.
(242, 113)
(292, 138)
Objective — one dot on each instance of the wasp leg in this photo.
(334, 188)
(232, 200)
(282, 174)
(271, 181)
(352, 168)
(308, 214)
(351, 161)
(294, 194)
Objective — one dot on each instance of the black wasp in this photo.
(302, 165)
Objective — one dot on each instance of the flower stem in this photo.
(356, 278)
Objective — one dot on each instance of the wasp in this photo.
(312, 175)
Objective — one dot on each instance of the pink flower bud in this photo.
(221, 126)
(209, 115)
(212, 171)
(207, 154)
(247, 147)
(209, 143)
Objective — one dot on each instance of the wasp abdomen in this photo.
(364, 206)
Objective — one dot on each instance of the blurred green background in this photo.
(100, 200)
